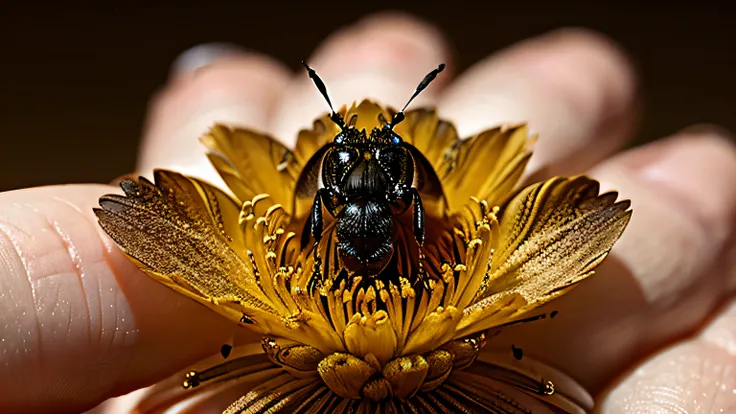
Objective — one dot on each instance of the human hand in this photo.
(81, 324)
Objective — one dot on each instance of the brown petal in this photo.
(184, 233)
(552, 235)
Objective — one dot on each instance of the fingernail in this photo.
(709, 129)
(202, 55)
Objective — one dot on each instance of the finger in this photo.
(123, 404)
(383, 58)
(666, 272)
(210, 83)
(695, 376)
(575, 88)
(79, 322)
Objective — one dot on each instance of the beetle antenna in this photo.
(422, 86)
(334, 116)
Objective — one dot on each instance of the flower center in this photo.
(350, 376)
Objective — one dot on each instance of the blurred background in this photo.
(76, 78)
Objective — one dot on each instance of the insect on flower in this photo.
(367, 178)
(346, 326)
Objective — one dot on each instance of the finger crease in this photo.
(93, 224)
(5, 232)
(76, 260)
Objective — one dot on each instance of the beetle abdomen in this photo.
(364, 231)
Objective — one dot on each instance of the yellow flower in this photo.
(408, 340)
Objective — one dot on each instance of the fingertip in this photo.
(233, 87)
(202, 55)
(684, 204)
(248, 81)
(693, 170)
(406, 28)
(574, 87)
(83, 322)
(380, 41)
(600, 70)
(690, 376)
(382, 57)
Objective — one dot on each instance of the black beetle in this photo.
(366, 180)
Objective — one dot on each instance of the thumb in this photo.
(79, 322)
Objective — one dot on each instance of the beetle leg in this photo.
(316, 280)
(316, 215)
(418, 216)
(316, 229)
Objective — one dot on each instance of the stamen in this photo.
(229, 369)
(253, 263)
(360, 302)
(525, 320)
(370, 301)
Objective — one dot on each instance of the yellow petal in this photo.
(366, 116)
(251, 163)
(299, 359)
(406, 375)
(345, 374)
(465, 350)
(423, 129)
(552, 235)
(440, 363)
(377, 389)
(436, 328)
(491, 311)
(372, 334)
(487, 166)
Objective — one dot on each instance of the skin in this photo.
(653, 331)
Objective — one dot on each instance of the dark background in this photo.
(76, 79)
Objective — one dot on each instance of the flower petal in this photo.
(489, 312)
(246, 366)
(182, 232)
(432, 136)
(406, 375)
(251, 163)
(552, 235)
(345, 374)
(371, 334)
(436, 328)
(283, 393)
(534, 376)
(478, 393)
(487, 166)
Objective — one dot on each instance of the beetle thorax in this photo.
(366, 180)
